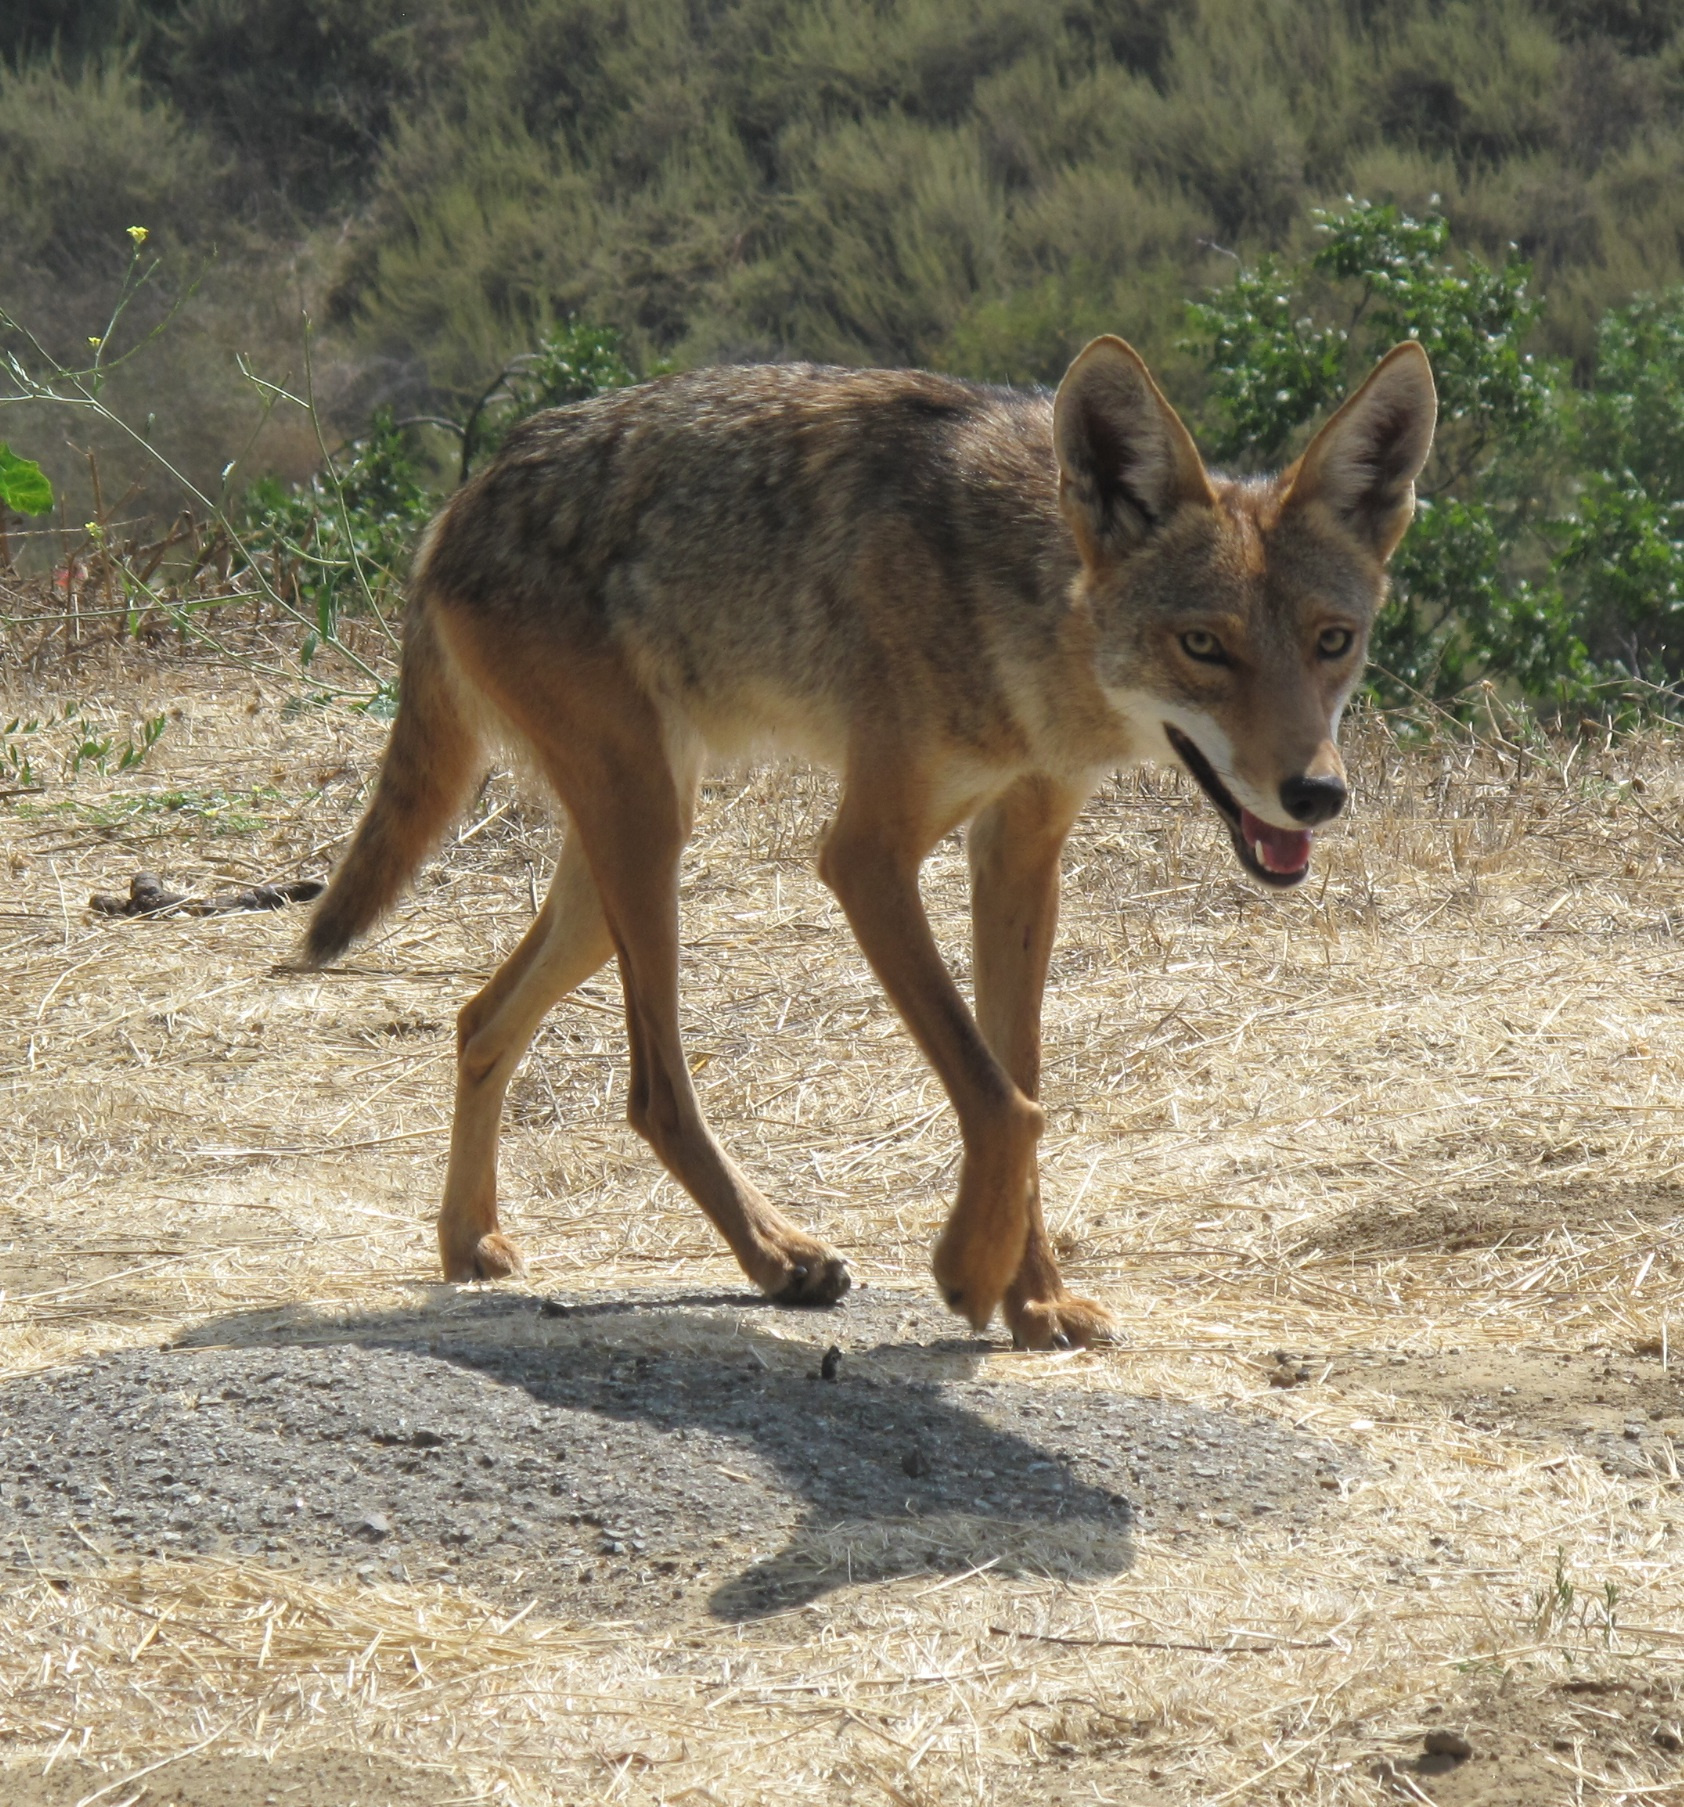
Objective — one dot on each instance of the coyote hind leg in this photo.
(1014, 848)
(566, 943)
(635, 820)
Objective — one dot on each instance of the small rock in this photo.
(1442, 1741)
(374, 1525)
(831, 1365)
(915, 1462)
(1669, 1738)
(1635, 1432)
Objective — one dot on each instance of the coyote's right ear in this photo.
(1125, 461)
(1364, 462)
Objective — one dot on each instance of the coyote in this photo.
(975, 603)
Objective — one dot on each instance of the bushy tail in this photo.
(432, 762)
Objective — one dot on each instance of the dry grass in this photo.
(1261, 1112)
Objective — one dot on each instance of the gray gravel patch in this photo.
(217, 1779)
(618, 1455)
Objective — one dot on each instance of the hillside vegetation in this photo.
(972, 185)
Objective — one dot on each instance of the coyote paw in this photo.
(974, 1272)
(493, 1257)
(1065, 1322)
(820, 1278)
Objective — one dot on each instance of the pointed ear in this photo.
(1125, 461)
(1364, 462)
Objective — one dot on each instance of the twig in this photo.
(1045, 1637)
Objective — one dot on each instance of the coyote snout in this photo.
(1315, 797)
(975, 603)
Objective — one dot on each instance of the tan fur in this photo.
(973, 602)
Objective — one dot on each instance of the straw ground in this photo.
(1384, 1180)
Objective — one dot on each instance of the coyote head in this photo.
(1231, 617)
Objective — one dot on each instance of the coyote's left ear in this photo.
(1125, 461)
(1364, 462)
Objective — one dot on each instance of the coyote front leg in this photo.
(1014, 846)
(870, 860)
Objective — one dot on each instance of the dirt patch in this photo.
(1626, 1410)
(1513, 1218)
(1529, 1747)
(620, 1455)
(45, 1275)
(321, 1779)
(1623, 1403)
(1508, 1743)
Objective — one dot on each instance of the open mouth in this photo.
(1275, 856)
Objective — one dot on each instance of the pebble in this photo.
(1442, 1741)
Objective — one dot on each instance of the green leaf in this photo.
(23, 484)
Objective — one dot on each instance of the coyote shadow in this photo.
(671, 1423)
(616, 1452)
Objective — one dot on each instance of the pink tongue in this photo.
(1277, 849)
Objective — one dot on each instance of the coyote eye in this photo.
(1198, 643)
(1334, 642)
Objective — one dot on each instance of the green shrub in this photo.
(302, 92)
(1620, 553)
(571, 364)
(34, 29)
(85, 156)
(872, 180)
(340, 543)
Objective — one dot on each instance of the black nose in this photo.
(1312, 800)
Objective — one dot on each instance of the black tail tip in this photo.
(324, 941)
